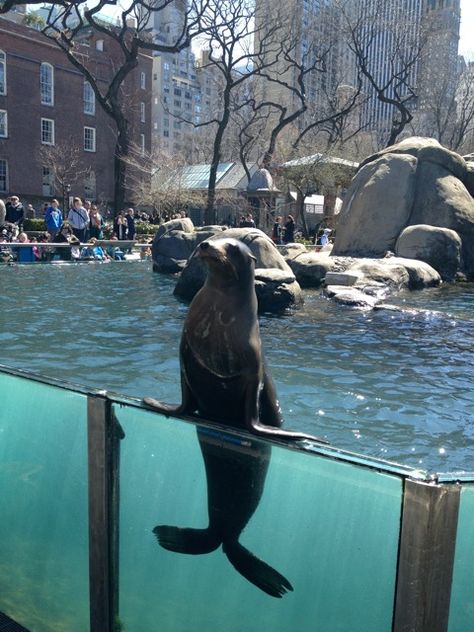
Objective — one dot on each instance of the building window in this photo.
(142, 143)
(90, 186)
(142, 80)
(47, 84)
(47, 131)
(3, 124)
(3, 73)
(89, 99)
(142, 112)
(89, 138)
(48, 182)
(99, 45)
(3, 176)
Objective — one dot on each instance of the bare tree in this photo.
(229, 29)
(448, 113)
(377, 26)
(65, 167)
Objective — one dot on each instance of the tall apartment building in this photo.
(176, 98)
(390, 31)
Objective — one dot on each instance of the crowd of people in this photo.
(283, 233)
(81, 229)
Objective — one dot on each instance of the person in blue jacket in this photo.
(53, 218)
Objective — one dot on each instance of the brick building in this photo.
(46, 102)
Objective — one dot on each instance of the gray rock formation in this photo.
(175, 242)
(275, 284)
(440, 247)
(310, 268)
(414, 182)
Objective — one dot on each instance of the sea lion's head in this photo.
(228, 261)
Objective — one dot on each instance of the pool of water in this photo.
(396, 385)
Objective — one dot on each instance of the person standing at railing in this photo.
(96, 223)
(53, 218)
(78, 217)
(129, 216)
(120, 227)
(15, 213)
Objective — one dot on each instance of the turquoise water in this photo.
(386, 384)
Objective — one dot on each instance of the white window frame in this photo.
(47, 142)
(92, 138)
(143, 81)
(4, 163)
(44, 84)
(4, 115)
(142, 111)
(89, 99)
(3, 69)
(99, 45)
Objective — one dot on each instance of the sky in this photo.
(466, 44)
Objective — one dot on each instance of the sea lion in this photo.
(223, 375)
(223, 379)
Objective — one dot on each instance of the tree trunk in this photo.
(120, 168)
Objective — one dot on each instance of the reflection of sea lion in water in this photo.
(223, 378)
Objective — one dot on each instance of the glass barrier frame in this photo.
(429, 516)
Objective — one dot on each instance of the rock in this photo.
(351, 297)
(341, 278)
(276, 290)
(439, 247)
(384, 271)
(443, 201)
(310, 268)
(174, 243)
(425, 149)
(414, 182)
(376, 207)
(275, 283)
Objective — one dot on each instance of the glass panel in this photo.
(44, 572)
(461, 613)
(330, 528)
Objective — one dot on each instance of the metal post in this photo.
(103, 451)
(426, 557)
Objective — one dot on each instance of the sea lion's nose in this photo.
(204, 245)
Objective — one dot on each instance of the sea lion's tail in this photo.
(190, 541)
(256, 571)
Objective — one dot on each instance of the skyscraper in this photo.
(402, 45)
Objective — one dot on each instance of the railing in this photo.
(89, 479)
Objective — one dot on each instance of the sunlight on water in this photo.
(388, 384)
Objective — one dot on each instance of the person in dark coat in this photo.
(15, 213)
(289, 235)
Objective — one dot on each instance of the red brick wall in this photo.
(25, 50)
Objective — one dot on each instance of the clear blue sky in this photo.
(466, 45)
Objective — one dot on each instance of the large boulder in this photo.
(414, 182)
(275, 283)
(376, 207)
(440, 247)
(310, 268)
(174, 243)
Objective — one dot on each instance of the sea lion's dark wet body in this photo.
(223, 379)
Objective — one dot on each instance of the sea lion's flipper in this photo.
(256, 571)
(188, 403)
(163, 407)
(190, 541)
